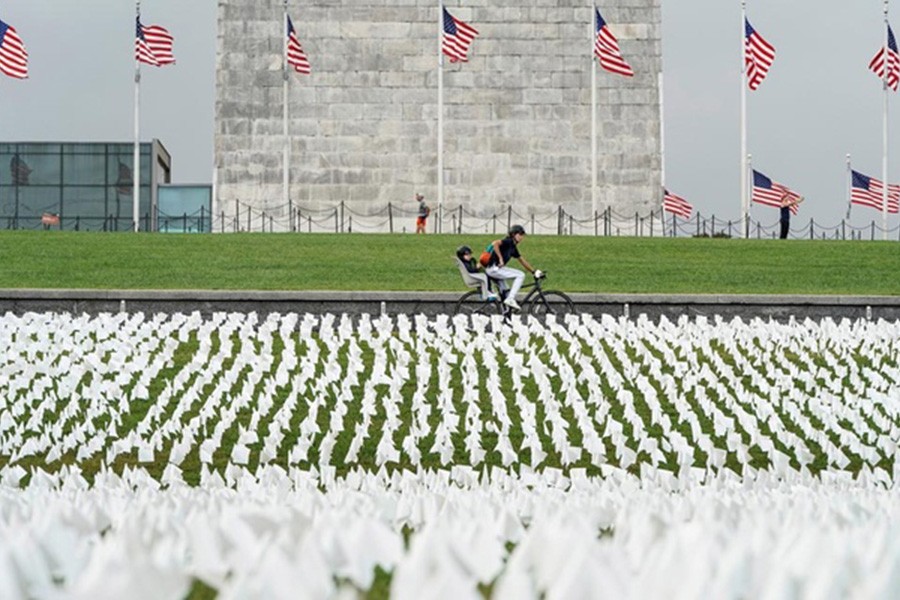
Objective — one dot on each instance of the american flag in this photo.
(296, 57)
(13, 56)
(770, 193)
(457, 38)
(125, 182)
(676, 204)
(606, 49)
(868, 191)
(153, 45)
(877, 63)
(19, 170)
(758, 56)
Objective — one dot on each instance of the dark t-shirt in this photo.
(508, 250)
(785, 213)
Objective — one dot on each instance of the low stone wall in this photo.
(673, 306)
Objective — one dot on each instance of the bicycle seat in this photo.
(466, 276)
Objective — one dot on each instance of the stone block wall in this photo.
(363, 126)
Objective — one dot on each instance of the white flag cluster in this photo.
(730, 459)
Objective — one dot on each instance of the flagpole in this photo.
(662, 149)
(745, 208)
(884, 155)
(285, 189)
(593, 30)
(136, 183)
(440, 148)
(849, 187)
(748, 166)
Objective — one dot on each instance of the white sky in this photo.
(819, 102)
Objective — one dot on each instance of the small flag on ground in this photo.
(758, 56)
(457, 38)
(13, 56)
(887, 56)
(868, 191)
(153, 45)
(296, 57)
(770, 193)
(606, 49)
(676, 205)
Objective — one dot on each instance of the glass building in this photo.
(80, 186)
(184, 208)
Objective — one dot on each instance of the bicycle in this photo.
(537, 303)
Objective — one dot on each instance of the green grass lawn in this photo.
(50, 259)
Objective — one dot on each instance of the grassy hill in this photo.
(50, 259)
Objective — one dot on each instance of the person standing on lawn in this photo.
(787, 202)
(422, 215)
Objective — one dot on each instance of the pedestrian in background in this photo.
(422, 216)
(787, 201)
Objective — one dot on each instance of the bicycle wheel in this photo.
(550, 303)
(471, 304)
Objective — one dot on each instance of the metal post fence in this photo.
(341, 215)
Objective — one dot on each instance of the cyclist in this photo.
(464, 254)
(497, 268)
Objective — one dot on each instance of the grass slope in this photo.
(45, 259)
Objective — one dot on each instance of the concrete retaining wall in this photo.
(432, 303)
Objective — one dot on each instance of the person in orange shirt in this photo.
(424, 211)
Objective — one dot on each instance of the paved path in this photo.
(653, 305)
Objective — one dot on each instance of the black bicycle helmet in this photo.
(463, 250)
(516, 229)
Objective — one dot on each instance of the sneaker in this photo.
(491, 298)
(511, 302)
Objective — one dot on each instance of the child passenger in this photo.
(464, 254)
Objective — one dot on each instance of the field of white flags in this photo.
(301, 456)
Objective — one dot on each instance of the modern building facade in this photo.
(363, 127)
(84, 186)
(184, 208)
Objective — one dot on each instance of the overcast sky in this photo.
(819, 102)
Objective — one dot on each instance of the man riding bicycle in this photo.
(497, 267)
